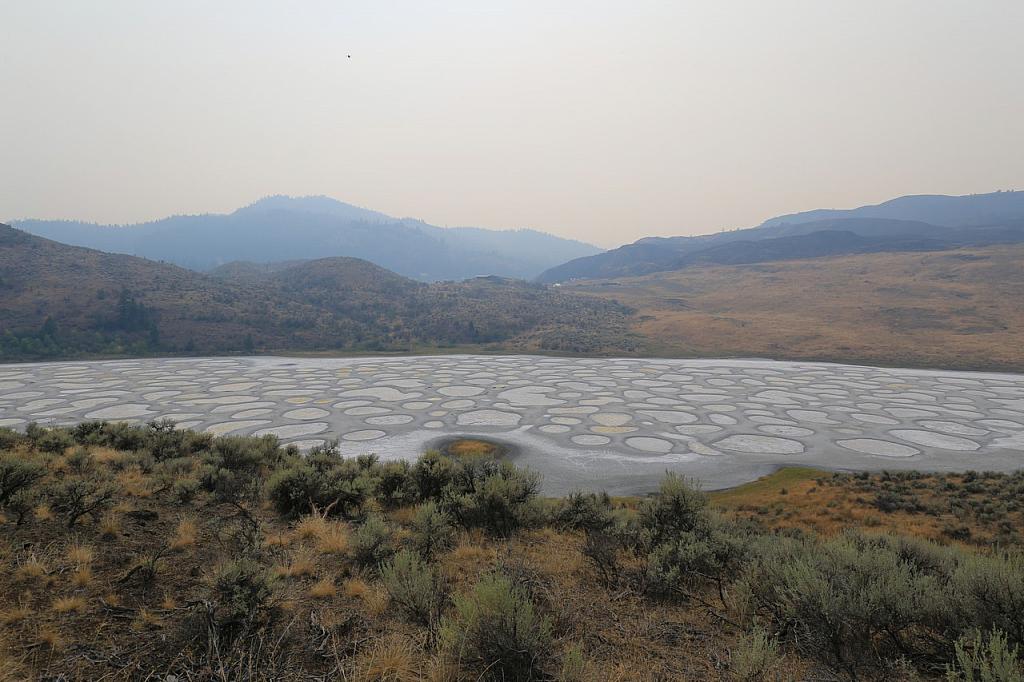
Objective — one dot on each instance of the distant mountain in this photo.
(285, 228)
(897, 225)
(65, 301)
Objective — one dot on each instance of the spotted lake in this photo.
(616, 424)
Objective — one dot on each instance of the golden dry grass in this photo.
(391, 659)
(301, 564)
(31, 569)
(80, 554)
(185, 534)
(110, 525)
(75, 603)
(472, 447)
(323, 589)
(962, 308)
(330, 537)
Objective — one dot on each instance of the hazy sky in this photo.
(604, 121)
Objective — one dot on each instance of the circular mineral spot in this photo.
(249, 414)
(586, 439)
(953, 428)
(881, 448)
(127, 411)
(670, 416)
(613, 429)
(416, 405)
(389, 420)
(458, 404)
(611, 418)
(460, 391)
(293, 430)
(565, 420)
(488, 418)
(649, 444)
(306, 413)
(812, 416)
(784, 430)
(305, 445)
(761, 445)
(935, 440)
(433, 425)
(721, 419)
(365, 434)
(230, 427)
(873, 418)
(554, 428)
(366, 411)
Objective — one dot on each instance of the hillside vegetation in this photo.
(62, 301)
(143, 552)
(951, 309)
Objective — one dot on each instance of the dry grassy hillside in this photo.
(962, 308)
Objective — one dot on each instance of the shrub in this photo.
(432, 473)
(185, 490)
(321, 483)
(496, 627)
(850, 601)
(395, 485)
(240, 592)
(78, 497)
(10, 439)
(985, 660)
(17, 474)
(373, 542)
(495, 496)
(584, 511)
(415, 587)
(756, 657)
(989, 593)
(678, 508)
(712, 553)
(432, 531)
(49, 440)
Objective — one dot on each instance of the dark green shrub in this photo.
(495, 496)
(497, 628)
(17, 474)
(322, 483)
(184, 490)
(77, 497)
(54, 440)
(240, 592)
(713, 553)
(988, 659)
(989, 593)
(373, 542)
(432, 531)
(10, 439)
(678, 508)
(395, 485)
(584, 511)
(432, 473)
(414, 586)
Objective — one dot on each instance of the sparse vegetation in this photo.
(454, 568)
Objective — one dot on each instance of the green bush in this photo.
(989, 593)
(414, 586)
(713, 553)
(10, 439)
(240, 592)
(373, 542)
(584, 511)
(678, 508)
(495, 496)
(990, 659)
(77, 497)
(851, 601)
(322, 482)
(756, 657)
(17, 474)
(432, 531)
(497, 628)
(432, 473)
(54, 440)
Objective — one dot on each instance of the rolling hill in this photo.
(961, 308)
(285, 228)
(905, 224)
(58, 300)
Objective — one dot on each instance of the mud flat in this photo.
(615, 424)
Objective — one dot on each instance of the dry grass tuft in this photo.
(79, 554)
(49, 638)
(110, 525)
(32, 568)
(75, 604)
(42, 512)
(185, 534)
(301, 565)
(146, 620)
(135, 483)
(392, 659)
(331, 537)
(323, 589)
(82, 577)
(15, 614)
